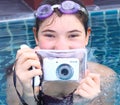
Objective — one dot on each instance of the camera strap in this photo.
(20, 97)
(14, 82)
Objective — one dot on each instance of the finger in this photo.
(93, 80)
(28, 75)
(37, 48)
(26, 56)
(87, 72)
(22, 51)
(81, 92)
(85, 87)
(87, 92)
(35, 72)
(36, 90)
(90, 82)
(95, 77)
(31, 63)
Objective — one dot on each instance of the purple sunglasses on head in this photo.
(66, 7)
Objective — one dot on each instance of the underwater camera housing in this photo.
(63, 65)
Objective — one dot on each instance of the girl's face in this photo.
(62, 33)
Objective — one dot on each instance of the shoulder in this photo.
(103, 70)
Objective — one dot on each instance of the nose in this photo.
(62, 44)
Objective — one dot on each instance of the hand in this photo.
(25, 59)
(89, 87)
(36, 48)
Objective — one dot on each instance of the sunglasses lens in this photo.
(44, 11)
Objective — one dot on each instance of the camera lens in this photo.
(64, 72)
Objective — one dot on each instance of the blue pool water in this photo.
(105, 39)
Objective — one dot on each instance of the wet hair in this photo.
(80, 15)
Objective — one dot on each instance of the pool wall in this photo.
(105, 39)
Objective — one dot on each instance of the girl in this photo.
(61, 25)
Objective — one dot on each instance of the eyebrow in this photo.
(74, 31)
(48, 30)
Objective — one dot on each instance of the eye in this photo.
(49, 35)
(73, 35)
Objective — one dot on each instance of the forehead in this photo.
(66, 20)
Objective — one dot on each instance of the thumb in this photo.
(37, 48)
(87, 72)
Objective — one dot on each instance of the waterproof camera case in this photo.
(63, 65)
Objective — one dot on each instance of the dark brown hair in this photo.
(83, 17)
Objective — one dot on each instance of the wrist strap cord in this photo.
(20, 97)
(14, 81)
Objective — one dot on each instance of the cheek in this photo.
(80, 43)
(44, 44)
(77, 45)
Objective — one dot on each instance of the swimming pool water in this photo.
(105, 39)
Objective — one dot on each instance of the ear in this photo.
(35, 35)
(88, 35)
